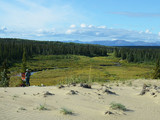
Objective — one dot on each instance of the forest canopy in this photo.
(12, 49)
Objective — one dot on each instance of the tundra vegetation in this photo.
(56, 63)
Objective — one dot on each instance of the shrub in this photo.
(66, 111)
(15, 81)
(117, 106)
(4, 78)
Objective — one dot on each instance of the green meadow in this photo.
(65, 69)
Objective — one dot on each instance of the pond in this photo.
(113, 64)
(31, 73)
(42, 70)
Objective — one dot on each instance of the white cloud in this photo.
(148, 31)
(45, 32)
(83, 25)
(72, 26)
(90, 26)
(114, 39)
(3, 28)
(88, 34)
(70, 31)
(103, 27)
(97, 33)
(40, 30)
(140, 32)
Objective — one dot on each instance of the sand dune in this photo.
(23, 103)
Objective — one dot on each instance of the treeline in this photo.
(12, 49)
(138, 54)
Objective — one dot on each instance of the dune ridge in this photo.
(46, 103)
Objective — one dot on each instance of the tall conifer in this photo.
(156, 74)
(24, 65)
(4, 82)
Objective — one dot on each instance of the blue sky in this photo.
(84, 20)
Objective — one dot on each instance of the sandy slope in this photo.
(88, 104)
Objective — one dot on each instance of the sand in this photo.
(23, 103)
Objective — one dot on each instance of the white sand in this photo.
(88, 104)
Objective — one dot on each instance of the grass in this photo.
(65, 69)
(66, 111)
(117, 106)
(42, 107)
(15, 81)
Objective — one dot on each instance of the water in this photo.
(31, 73)
(42, 70)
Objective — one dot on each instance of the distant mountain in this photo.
(119, 43)
(124, 43)
(74, 41)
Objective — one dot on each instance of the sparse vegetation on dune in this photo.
(66, 111)
(42, 107)
(118, 106)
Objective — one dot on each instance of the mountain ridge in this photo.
(118, 43)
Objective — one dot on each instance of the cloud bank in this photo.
(83, 32)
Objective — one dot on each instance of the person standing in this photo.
(27, 77)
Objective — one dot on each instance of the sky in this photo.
(84, 20)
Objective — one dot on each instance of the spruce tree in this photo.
(156, 74)
(116, 52)
(24, 65)
(4, 75)
(130, 57)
